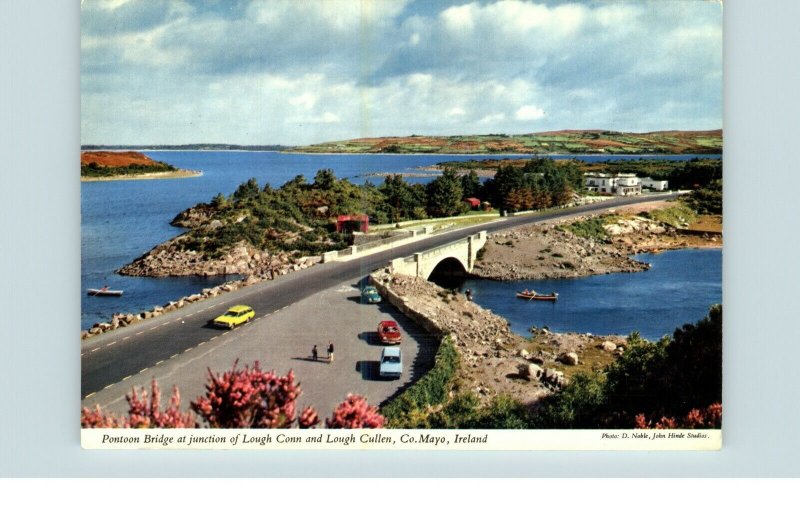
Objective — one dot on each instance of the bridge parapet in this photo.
(422, 264)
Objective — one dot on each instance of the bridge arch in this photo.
(448, 272)
(457, 257)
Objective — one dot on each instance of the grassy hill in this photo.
(561, 142)
(110, 164)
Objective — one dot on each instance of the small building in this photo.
(352, 223)
(473, 202)
(652, 184)
(616, 184)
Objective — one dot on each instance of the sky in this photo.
(298, 72)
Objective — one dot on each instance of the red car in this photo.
(389, 332)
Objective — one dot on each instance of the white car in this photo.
(391, 363)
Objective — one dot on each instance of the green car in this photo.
(370, 295)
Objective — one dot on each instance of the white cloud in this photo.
(529, 113)
(284, 72)
(456, 112)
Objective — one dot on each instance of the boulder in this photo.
(608, 346)
(530, 371)
(524, 353)
(570, 358)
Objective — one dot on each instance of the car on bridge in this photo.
(235, 316)
(389, 332)
(391, 363)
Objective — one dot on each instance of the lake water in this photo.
(679, 288)
(121, 220)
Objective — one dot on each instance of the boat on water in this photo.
(533, 295)
(104, 291)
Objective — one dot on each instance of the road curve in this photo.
(108, 358)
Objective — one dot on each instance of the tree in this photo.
(399, 198)
(444, 195)
(247, 191)
(506, 178)
(325, 179)
(219, 201)
(470, 184)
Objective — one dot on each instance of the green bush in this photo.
(590, 228)
(405, 410)
(670, 377)
(578, 405)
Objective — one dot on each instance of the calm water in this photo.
(121, 220)
(679, 288)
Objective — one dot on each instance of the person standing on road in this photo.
(330, 353)
(314, 354)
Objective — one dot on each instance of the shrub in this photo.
(432, 389)
(248, 398)
(142, 413)
(239, 398)
(354, 412)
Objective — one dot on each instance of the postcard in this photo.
(401, 225)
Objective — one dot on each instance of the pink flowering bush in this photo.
(355, 413)
(239, 398)
(142, 413)
(711, 417)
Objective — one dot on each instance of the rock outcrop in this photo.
(170, 259)
(494, 360)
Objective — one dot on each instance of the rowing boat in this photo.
(104, 291)
(533, 295)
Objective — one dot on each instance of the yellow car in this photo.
(236, 315)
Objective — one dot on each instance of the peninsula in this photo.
(111, 165)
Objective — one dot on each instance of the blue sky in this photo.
(298, 72)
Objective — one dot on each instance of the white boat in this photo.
(104, 291)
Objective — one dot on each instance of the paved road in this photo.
(282, 341)
(116, 356)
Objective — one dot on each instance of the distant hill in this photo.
(561, 142)
(186, 147)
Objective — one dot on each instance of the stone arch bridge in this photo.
(454, 258)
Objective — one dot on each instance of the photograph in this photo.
(401, 225)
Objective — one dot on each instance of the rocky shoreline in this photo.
(551, 251)
(120, 320)
(494, 360)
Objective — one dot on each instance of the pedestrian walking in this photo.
(330, 353)
(314, 354)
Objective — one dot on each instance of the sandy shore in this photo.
(177, 174)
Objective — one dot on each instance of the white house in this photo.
(652, 184)
(618, 184)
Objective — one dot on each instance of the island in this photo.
(112, 165)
